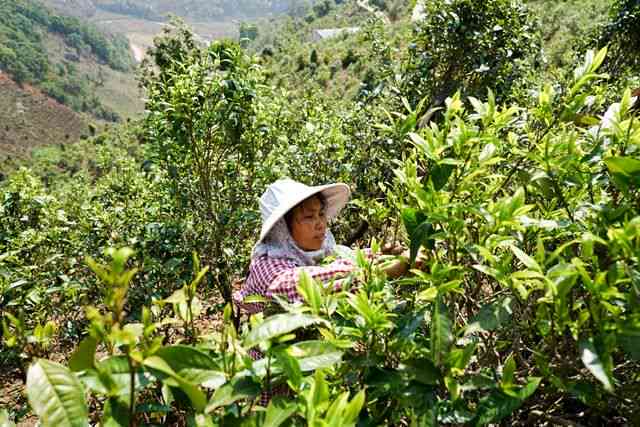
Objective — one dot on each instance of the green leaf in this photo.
(196, 281)
(508, 371)
(629, 339)
(84, 356)
(428, 294)
(491, 317)
(420, 236)
(319, 392)
(177, 297)
(525, 259)
(277, 325)
(530, 388)
(310, 291)
(423, 370)
(56, 395)
(593, 362)
(333, 416)
(599, 58)
(352, 410)
(116, 412)
(411, 218)
(193, 365)
(498, 405)
(234, 390)
(5, 421)
(441, 336)
(291, 367)
(627, 166)
(196, 396)
(459, 359)
(495, 407)
(278, 410)
(315, 354)
(625, 171)
(440, 174)
(320, 361)
(408, 124)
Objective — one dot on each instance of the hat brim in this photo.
(336, 195)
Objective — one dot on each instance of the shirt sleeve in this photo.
(286, 281)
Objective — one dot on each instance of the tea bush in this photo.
(76, 204)
(470, 46)
(620, 33)
(203, 132)
(527, 297)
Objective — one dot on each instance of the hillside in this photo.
(157, 10)
(353, 64)
(42, 54)
(44, 49)
(78, 8)
(27, 118)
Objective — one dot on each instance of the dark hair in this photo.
(288, 217)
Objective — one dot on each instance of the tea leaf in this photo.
(592, 361)
(56, 395)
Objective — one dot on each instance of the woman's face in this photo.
(309, 224)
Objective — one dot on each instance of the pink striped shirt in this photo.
(270, 277)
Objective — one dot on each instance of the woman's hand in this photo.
(396, 268)
(400, 266)
(392, 249)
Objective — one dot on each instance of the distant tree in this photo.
(322, 8)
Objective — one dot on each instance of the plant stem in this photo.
(132, 391)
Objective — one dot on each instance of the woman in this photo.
(295, 238)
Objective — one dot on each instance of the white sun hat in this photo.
(284, 194)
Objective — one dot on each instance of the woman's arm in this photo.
(286, 282)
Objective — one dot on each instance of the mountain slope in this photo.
(30, 37)
(31, 119)
(202, 10)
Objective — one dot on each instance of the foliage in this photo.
(535, 212)
(202, 127)
(199, 9)
(470, 46)
(564, 27)
(525, 218)
(248, 32)
(214, 381)
(621, 34)
(80, 201)
(24, 27)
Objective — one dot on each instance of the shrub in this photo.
(622, 36)
(349, 58)
(468, 45)
(202, 129)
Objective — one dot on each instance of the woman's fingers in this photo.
(421, 259)
(392, 249)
